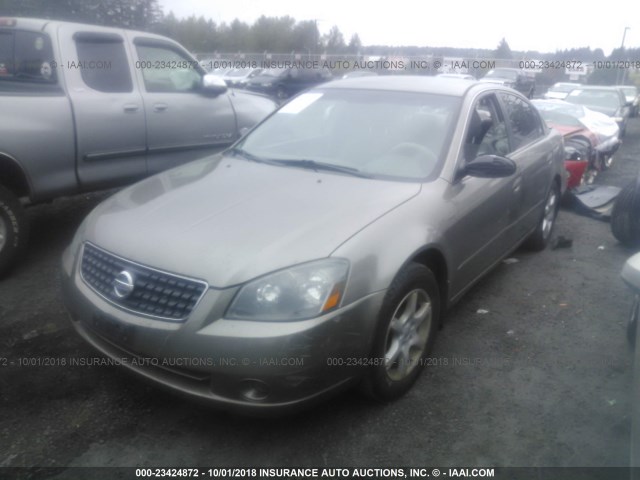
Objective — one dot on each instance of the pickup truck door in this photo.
(183, 121)
(106, 103)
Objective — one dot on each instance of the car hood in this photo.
(227, 220)
(610, 111)
(602, 125)
(565, 130)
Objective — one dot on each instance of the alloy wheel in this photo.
(407, 334)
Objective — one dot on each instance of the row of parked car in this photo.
(280, 82)
(593, 120)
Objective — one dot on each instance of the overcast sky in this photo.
(543, 25)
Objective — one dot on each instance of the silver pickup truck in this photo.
(86, 108)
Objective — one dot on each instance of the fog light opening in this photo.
(254, 390)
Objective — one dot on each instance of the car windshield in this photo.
(596, 98)
(372, 133)
(501, 73)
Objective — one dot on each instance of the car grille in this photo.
(155, 293)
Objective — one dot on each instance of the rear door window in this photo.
(525, 123)
(103, 62)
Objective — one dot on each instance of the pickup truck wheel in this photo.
(13, 230)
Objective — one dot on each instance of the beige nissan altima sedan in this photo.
(321, 250)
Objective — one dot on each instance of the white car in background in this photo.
(239, 77)
(559, 91)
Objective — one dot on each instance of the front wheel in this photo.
(13, 230)
(539, 239)
(407, 325)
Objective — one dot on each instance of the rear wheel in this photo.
(13, 230)
(539, 239)
(407, 325)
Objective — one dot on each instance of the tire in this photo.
(625, 217)
(539, 239)
(14, 230)
(406, 328)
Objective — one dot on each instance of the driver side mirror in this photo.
(489, 166)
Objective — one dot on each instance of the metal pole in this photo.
(624, 71)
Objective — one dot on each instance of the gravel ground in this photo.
(543, 378)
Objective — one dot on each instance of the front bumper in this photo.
(261, 367)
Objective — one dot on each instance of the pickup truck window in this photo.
(26, 57)
(103, 63)
(166, 70)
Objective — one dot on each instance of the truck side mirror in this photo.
(213, 84)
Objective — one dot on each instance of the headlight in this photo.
(297, 293)
(618, 119)
(70, 253)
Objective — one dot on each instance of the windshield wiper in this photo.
(315, 165)
(249, 156)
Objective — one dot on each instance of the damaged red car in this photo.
(590, 138)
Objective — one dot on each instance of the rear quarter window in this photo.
(26, 57)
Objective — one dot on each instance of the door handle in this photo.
(130, 108)
(160, 107)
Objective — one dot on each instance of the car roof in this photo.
(413, 83)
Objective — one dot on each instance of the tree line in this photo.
(267, 34)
